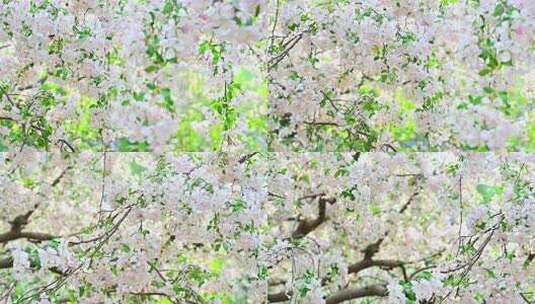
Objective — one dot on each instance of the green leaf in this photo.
(168, 7)
(216, 265)
(152, 68)
(448, 2)
(125, 145)
(488, 192)
(531, 136)
(168, 102)
(33, 256)
(136, 168)
(405, 132)
(499, 10)
(375, 210)
(164, 301)
(238, 205)
(19, 290)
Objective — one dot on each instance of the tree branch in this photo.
(339, 296)
(8, 263)
(277, 59)
(364, 264)
(246, 157)
(355, 293)
(306, 226)
(279, 297)
(20, 221)
(372, 249)
(409, 201)
(32, 236)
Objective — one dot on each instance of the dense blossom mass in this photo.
(194, 75)
(266, 151)
(132, 75)
(402, 75)
(306, 227)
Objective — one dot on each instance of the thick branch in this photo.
(32, 236)
(20, 221)
(307, 226)
(6, 263)
(355, 293)
(279, 297)
(364, 264)
(372, 249)
(351, 293)
(339, 296)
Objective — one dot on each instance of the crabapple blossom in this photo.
(267, 151)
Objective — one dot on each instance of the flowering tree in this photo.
(71, 79)
(402, 75)
(342, 75)
(311, 228)
(255, 151)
